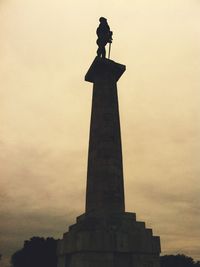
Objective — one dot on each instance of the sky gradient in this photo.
(46, 48)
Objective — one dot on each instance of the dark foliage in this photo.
(37, 252)
(178, 261)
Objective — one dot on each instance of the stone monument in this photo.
(106, 235)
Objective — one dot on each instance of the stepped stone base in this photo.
(113, 240)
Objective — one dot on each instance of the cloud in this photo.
(18, 226)
(37, 193)
(173, 215)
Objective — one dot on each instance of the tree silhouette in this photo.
(37, 252)
(178, 261)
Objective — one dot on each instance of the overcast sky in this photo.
(46, 47)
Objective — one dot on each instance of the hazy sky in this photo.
(46, 47)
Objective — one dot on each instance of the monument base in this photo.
(113, 240)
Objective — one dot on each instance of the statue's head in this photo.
(102, 20)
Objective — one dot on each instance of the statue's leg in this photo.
(103, 52)
(99, 52)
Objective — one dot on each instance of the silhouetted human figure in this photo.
(104, 36)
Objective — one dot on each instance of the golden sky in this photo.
(46, 47)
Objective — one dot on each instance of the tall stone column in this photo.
(105, 188)
(106, 235)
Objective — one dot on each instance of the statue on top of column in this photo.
(104, 36)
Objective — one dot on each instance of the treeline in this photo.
(178, 261)
(41, 252)
(37, 252)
